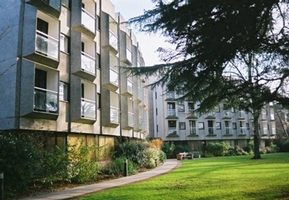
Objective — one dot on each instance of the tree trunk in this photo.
(257, 154)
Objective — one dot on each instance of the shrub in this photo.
(53, 166)
(249, 148)
(156, 143)
(272, 148)
(169, 148)
(236, 151)
(19, 161)
(116, 167)
(217, 148)
(162, 156)
(152, 157)
(133, 150)
(83, 166)
(181, 148)
(285, 146)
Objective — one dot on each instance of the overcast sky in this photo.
(149, 43)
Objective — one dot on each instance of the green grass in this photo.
(237, 178)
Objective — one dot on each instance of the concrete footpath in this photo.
(168, 165)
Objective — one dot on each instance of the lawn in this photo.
(237, 178)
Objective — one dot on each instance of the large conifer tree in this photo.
(233, 51)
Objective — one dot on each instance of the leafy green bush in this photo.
(152, 157)
(249, 148)
(285, 146)
(162, 156)
(181, 148)
(19, 161)
(236, 151)
(83, 166)
(53, 166)
(217, 148)
(169, 148)
(133, 150)
(116, 167)
(272, 148)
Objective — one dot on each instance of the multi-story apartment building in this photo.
(176, 122)
(61, 71)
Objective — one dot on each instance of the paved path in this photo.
(169, 165)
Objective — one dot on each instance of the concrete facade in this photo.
(61, 71)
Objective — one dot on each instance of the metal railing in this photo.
(113, 77)
(45, 100)
(171, 112)
(46, 45)
(88, 20)
(113, 40)
(88, 63)
(88, 108)
(114, 117)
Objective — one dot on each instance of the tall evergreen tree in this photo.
(233, 51)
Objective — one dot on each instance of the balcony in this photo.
(227, 114)
(46, 45)
(128, 55)
(88, 63)
(210, 115)
(129, 89)
(130, 119)
(171, 114)
(114, 117)
(51, 7)
(45, 100)
(88, 109)
(170, 96)
(243, 131)
(111, 80)
(172, 132)
(88, 20)
(112, 42)
(241, 115)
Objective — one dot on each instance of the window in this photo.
(247, 126)
(191, 107)
(182, 125)
(234, 124)
(201, 126)
(156, 111)
(64, 43)
(63, 94)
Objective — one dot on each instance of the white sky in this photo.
(149, 43)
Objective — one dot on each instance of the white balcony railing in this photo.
(170, 95)
(171, 112)
(113, 77)
(129, 87)
(45, 100)
(87, 108)
(128, 54)
(47, 45)
(114, 117)
(113, 40)
(130, 119)
(172, 130)
(88, 20)
(87, 63)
